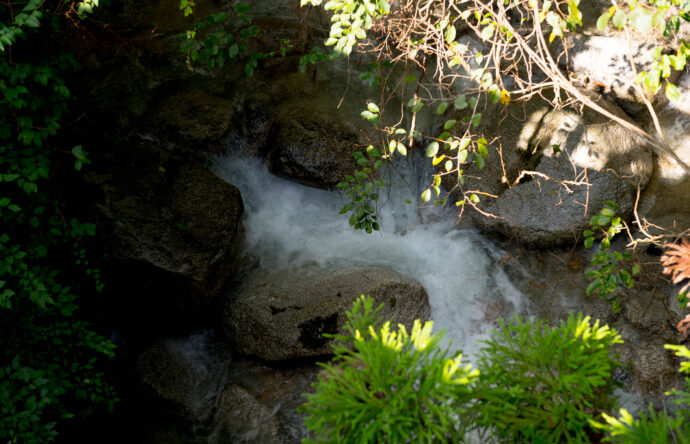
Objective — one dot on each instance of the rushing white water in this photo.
(289, 225)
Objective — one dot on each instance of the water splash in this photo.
(289, 225)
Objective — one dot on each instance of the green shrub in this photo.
(389, 386)
(551, 380)
(534, 383)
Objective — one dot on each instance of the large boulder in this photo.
(284, 316)
(561, 168)
(313, 149)
(169, 226)
(192, 119)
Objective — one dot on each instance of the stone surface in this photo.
(185, 375)
(665, 202)
(284, 316)
(243, 418)
(602, 63)
(170, 225)
(570, 149)
(192, 120)
(313, 150)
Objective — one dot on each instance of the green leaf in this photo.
(462, 156)
(619, 19)
(608, 212)
(589, 241)
(479, 161)
(593, 286)
(641, 19)
(411, 78)
(460, 102)
(449, 124)
(432, 149)
(373, 107)
(402, 149)
(450, 34)
(476, 119)
(417, 106)
(672, 92)
(635, 269)
(426, 195)
(603, 21)
(441, 108)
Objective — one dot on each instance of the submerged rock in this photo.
(284, 316)
(242, 418)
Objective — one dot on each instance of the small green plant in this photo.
(362, 189)
(550, 380)
(389, 386)
(653, 426)
(610, 271)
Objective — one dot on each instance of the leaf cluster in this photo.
(610, 271)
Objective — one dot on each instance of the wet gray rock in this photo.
(284, 316)
(570, 149)
(192, 120)
(169, 225)
(313, 150)
(243, 418)
(184, 375)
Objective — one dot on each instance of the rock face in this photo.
(285, 316)
(184, 375)
(602, 63)
(660, 204)
(193, 119)
(242, 418)
(570, 149)
(171, 226)
(313, 150)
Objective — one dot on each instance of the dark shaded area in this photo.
(312, 331)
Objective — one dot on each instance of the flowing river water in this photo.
(289, 226)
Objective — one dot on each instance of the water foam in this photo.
(289, 225)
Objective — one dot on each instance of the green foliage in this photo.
(656, 427)
(642, 17)
(362, 190)
(534, 383)
(389, 386)
(550, 380)
(610, 271)
(351, 20)
(215, 42)
(49, 359)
